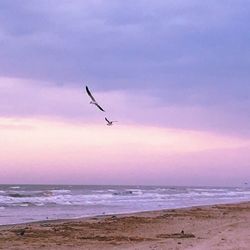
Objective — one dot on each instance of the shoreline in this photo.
(120, 214)
(216, 226)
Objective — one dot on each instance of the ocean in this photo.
(28, 203)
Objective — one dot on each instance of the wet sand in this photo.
(208, 227)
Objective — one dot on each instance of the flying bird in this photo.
(93, 100)
(109, 123)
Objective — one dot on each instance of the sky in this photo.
(174, 73)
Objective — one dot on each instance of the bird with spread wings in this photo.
(109, 123)
(93, 100)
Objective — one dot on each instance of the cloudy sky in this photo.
(174, 73)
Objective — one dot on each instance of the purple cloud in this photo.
(191, 56)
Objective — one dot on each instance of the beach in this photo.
(219, 227)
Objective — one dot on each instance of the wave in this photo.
(18, 195)
(24, 194)
(129, 192)
(15, 187)
(60, 191)
(115, 197)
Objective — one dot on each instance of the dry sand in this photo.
(208, 227)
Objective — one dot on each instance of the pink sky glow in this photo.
(55, 151)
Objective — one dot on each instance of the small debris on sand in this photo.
(176, 235)
(20, 232)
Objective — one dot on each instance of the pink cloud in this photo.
(83, 153)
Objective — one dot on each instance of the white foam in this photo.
(24, 205)
(60, 191)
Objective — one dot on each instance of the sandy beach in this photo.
(206, 227)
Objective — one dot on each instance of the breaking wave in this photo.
(86, 200)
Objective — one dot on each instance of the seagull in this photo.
(109, 123)
(93, 100)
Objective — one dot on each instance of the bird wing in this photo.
(107, 120)
(90, 95)
(97, 105)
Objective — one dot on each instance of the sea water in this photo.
(27, 203)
